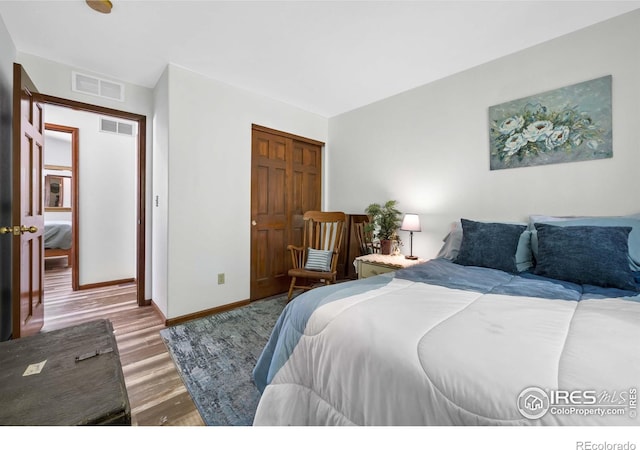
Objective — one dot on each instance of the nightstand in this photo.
(376, 264)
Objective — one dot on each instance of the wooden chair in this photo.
(317, 258)
(365, 239)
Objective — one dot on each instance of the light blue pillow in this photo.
(318, 260)
(632, 221)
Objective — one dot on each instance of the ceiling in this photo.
(327, 57)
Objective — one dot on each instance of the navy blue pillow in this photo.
(585, 255)
(491, 245)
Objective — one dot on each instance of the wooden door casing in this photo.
(141, 179)
(28, 207)
(286, 181)
(75, 189)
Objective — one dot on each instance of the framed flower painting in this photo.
(569, 124)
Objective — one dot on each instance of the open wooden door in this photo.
(28, 219)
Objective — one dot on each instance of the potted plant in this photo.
(385, 221)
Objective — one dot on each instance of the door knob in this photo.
(17, 231)
(254, 223)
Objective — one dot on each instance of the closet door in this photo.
(306, 185)
(286, 174)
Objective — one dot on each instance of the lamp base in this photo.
(410, 257)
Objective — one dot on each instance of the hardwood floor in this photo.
(156, 392)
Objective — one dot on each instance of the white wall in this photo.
(53, 78)
(160, 209)
(209, 161)
(428, 148)
(7, 57)
(107, 171)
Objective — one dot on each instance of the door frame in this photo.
(141, 179)
(75, 183)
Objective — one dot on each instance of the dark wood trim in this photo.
(81, 106)
(286, 135)
(107, 283)
(56, 209)
(142, 164)
(75, 214)
(142, 210)
(58, 253)
(206, 312)
(55, 252)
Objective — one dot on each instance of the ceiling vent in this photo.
(113, 126)
(99, 87)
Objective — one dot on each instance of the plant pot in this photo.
(386, 246)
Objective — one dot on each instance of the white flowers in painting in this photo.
(514, 143)
(511, 124)
(557, 137)
(536, 130)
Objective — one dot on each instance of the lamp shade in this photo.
(411, 222)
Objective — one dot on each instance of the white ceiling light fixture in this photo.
(103, 6)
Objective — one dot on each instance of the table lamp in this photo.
(411, 223)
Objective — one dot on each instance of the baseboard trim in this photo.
(106, 283)
(199, 314)
(155, 307)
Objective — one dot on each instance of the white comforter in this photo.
(411, 353)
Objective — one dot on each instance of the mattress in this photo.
(57, 234)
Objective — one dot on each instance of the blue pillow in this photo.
(592, 255)
(453, 241)
(318, 260)
(489, 244)
(632, 221)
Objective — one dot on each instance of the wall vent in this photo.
(113, 126)
(99, 87)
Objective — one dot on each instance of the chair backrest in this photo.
(365, 238)
(324, 231)
(364, 233)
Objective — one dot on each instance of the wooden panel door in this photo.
(306, 182)
(28, 217)
(286, 176)
(269, 214)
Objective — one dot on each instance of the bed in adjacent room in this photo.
(58, 240)
(512, 324)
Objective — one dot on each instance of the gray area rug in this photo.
(215, 356)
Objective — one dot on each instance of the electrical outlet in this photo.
(220, 278)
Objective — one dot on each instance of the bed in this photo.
(58, 240)
(512, 324)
